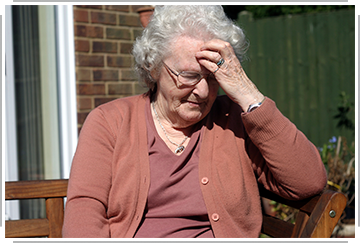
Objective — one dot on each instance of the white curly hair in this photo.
(171, 21)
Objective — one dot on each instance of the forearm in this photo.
(85, 218)
(90, 181)
(289, 163)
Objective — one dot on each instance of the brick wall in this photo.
(104, 36)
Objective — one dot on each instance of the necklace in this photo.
(180, 147)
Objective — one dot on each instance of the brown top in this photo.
(110, 174)
(175, 206)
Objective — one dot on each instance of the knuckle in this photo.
(227, 44)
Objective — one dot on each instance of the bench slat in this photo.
(275, 227)
(35, 189)
(26, 228)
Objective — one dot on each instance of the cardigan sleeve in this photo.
(288, 163)
(90, 180)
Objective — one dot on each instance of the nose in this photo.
(201, 89)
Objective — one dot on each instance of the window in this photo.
(41, 130)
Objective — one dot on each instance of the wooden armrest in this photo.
(318, 215)
(325, 215)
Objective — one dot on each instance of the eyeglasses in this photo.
(189, 78)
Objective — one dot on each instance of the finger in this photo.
(219, 46)
(210, 65)
(209, 55)
(215, 60)
(215, 45)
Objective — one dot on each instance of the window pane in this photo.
(28, 100)
(36, 98)
(27, 88)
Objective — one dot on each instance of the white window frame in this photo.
(11, 169)
(67, 87)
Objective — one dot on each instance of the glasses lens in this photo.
(189, 78)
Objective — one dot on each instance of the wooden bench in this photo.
(317, 215)
(54, 192)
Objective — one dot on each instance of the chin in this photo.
(192, 114)
(193, 117)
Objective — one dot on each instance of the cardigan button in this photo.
(215, 217)
(204, 180)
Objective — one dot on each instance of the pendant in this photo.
(179, 149)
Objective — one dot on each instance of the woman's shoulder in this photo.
(119, 109)
(122, 105)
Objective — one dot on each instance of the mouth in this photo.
(195, 103)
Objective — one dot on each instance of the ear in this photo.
(153, 78)
(155, 73)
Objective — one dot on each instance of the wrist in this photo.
(255, 105)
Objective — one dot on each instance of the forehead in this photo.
(184, 48)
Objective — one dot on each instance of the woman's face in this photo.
(182, 105)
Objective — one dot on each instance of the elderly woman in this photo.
(179, 161)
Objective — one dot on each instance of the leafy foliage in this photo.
(344, 109)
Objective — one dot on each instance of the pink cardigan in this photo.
(110, 174)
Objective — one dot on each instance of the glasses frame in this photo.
(179, 74)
